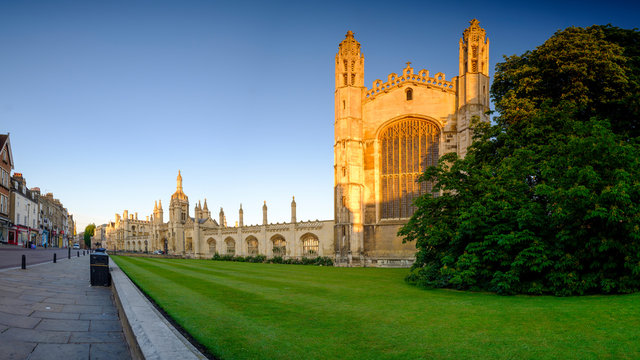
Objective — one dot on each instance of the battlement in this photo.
(408, 77)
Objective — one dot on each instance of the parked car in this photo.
(158, 252)
(76, 246)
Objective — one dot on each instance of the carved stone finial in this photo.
(408, 63)
(349, 34)
(474, 22)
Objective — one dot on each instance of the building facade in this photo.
(6, 165)
(54, 222)
(386, 136)
(201, 236)
(23, 213)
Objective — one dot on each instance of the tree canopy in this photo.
(88, 233)
(547, 199)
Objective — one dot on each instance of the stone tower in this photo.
(473, 82)
(178, 216)
(348, 148)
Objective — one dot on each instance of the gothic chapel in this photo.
(385, 137)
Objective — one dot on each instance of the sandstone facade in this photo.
(385, 137)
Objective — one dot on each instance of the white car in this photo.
(76, 246)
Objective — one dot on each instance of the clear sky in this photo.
(106, 100)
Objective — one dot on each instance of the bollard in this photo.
(24, 262)
(54, 258)
(69, 252)
(78, 253)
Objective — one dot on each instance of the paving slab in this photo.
(50, 311)
(38, 336)
(60, 351)
(63, 325)
(16, 350)
(105, 325)
(108, 351)
(95, 337)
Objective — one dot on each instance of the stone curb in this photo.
(149, 334)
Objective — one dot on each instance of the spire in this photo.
(293, 210)
(264, 213)
(179, 194)
(205, 208)
(199, 206)
(159, 204)
(155, 206)
(474, 50)
(349, 63)
(241, 216)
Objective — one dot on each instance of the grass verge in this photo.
(271, 311)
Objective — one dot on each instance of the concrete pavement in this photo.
(50, 311)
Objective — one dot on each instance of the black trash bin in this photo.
(99, 266)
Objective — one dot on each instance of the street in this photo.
(11, 256)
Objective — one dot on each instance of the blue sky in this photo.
(105, 101)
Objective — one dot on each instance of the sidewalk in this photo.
(50, 311)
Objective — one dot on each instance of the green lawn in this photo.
(250, 311)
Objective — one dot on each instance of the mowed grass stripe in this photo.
(285, 311)
(187, 307)
(251, 314)
(275, 312)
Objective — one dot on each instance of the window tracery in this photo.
(252, 246)
(310, 245)
(231, 246)
(407, 147)
(279, 247)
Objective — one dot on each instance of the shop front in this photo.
(45, 238)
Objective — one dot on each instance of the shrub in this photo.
(319, 261)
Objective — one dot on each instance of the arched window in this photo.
(231, 246)
(310, 245)
(279, 246)
(407, 147)
(409, 94)
(212, 246)
(252, 245)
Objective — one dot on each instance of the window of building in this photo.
(279, 246)
(407, 147)
(212, 246)
(409, 94)
(4, 204)
(310, 245)
(252, 246)
(231, 246)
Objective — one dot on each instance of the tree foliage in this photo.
(88, 233)
(547, 200)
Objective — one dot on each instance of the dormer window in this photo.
(409, 94)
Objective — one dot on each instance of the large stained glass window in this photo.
(407, 147)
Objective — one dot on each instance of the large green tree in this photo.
(88, 233)
(548, 198)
